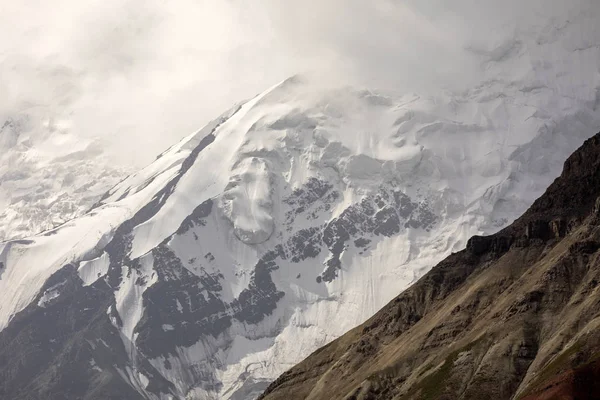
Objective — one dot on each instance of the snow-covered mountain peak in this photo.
(292, 218)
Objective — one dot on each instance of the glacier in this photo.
(296, 215)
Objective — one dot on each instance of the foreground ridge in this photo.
(513, 316)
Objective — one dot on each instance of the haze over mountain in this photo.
(286, 221)
(102, 87)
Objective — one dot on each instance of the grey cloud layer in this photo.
(151, 71)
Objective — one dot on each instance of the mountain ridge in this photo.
(286, 222)
(227, 259)
(511, 316)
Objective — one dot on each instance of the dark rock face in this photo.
(497, 245)
(305, 198)
(67, 349)
(507, 318)
(261, 296)
(361, 242)
(305, 244)
(183, 308)
(538, 230)
(559, 228)
(184, 301)
(384, 214)
(196, 217)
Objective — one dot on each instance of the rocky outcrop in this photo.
(513, 316)
(479, 245)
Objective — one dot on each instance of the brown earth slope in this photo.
(514, 316)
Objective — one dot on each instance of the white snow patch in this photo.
(128, 297)
(95, 366)
(91, 271)
(49, 295)
(143, 379)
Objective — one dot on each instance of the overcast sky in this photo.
(152, 71)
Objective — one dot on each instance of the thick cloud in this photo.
(144, 73)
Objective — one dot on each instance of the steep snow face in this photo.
(48, 175)
(247, 202)
(296, 215)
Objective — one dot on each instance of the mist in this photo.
(137, 75)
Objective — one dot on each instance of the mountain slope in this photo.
(515, 315)
(284, 223)
(48, 175)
